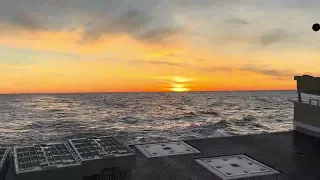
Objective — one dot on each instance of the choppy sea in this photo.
(142, 117)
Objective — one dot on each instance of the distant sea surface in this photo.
(142, 117)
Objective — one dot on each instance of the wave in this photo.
(210, 112)
(263, 99)
(130, 120)
(248, 118)
(215, 125)
(244, 121)
(55, 110)
(249, 121)
(221, 124)
(187, 115)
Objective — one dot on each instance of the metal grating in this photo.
(235, 167)
(99, 147)
(44, 156)
(3, 156)
(166, 149)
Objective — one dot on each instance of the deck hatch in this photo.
(166, 149)
(235, 167)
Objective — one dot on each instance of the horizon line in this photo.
(114, 92)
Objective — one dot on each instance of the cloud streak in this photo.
(165, 63)
(276, 73)
(237, 21)
(267, 71)
(216, 69)
(160, 34)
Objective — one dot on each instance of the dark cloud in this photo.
(145, 20)
(274, 36)
(160, 34)
(237, 21)
(204, 3)
(26, 21)
(141, 19)
(33, 14)
(288, 3)
(130, 22)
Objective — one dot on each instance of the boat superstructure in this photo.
(307, 111)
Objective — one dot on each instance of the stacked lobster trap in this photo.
(104, 157)
(90, 158)
(4, 162)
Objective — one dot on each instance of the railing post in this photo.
(299, 96)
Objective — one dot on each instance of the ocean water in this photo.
(142, 117)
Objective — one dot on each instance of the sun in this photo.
(179, 88)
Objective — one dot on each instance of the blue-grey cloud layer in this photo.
(154, 20)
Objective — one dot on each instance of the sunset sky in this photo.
(51, 46)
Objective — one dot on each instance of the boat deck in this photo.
(294, 155)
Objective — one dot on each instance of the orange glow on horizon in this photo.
(130, 85)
